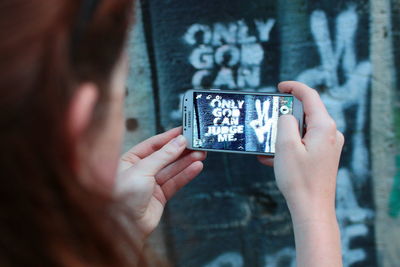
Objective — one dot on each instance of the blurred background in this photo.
(232, 215)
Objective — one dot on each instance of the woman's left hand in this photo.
(152, 172)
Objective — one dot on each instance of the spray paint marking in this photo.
(265, 126)
(228, 53)
(232, 259)
(262, 124)
(353, 92)
(286, 255)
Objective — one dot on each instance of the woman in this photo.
(63, 66)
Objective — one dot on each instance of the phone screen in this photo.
(238, 122)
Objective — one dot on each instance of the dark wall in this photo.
(233, 214)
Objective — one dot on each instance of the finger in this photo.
(314, 109)
(288, 137)
(151, 165)
(150, 145)
(185, 152)
(124, 164)
(179, 165)
(268, 161)
(180, 180)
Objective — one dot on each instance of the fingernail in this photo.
(179, 141)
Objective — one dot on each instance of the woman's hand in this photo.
(306, 168)
(305, 171)
(152, 172)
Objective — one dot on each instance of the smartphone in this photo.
(236, 122)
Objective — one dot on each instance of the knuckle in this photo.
(330, 125)
(169, 151)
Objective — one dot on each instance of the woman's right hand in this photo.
(306, 168)
(305, 171)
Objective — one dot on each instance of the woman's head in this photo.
(61, 96)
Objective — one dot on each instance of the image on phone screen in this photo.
(238, 122)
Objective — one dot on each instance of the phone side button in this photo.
(184, 120)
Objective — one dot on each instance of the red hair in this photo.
(47, 218)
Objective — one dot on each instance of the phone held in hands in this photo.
(236, 122)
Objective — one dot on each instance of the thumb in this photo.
(152, 164)
(288, 137)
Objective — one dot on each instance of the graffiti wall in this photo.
(233, 214)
